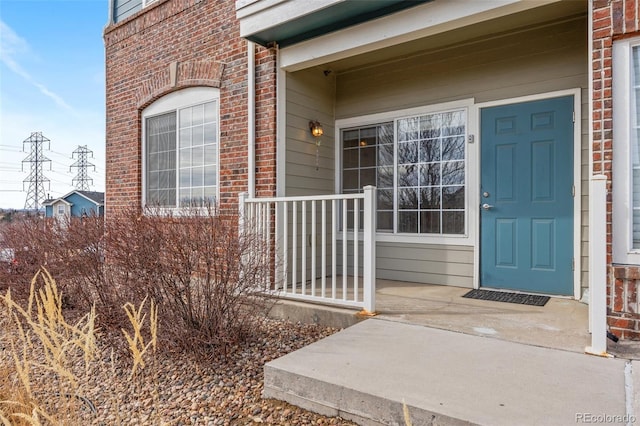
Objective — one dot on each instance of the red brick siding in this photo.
(265, 123)
(613, 19)
(624, 314)
(202, 38)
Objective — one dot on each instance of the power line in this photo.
(57, 170)
(36, 178)
(59, 153)
(59, 181)
(58, 163)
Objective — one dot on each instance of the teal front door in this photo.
(526, 197)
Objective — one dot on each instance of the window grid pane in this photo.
(431, 173)
(367, 159)
(161, 160)
(198, 169)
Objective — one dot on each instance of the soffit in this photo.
(522, 21)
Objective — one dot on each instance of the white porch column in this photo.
(369, 252)
(598, 265)
(241, 210)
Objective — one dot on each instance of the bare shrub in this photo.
(72, 250)
(33, 242)
(82, 260)
(208, 280)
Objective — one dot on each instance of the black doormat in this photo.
(501, 296)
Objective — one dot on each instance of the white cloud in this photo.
(12, 45)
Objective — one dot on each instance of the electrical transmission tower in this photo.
(82, 179)
(36, 178)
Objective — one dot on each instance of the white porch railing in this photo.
(317, 241)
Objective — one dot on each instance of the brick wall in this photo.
(613, 19)
(198, 42)
(265, 123)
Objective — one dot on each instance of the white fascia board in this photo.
(260, 15)
(245, 8)
(417, 22)
(244, 3)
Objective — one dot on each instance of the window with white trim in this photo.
(626, 142)
(180, 141)
(418, 166)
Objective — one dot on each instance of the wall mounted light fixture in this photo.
(316, 131)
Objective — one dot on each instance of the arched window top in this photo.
(181, 98)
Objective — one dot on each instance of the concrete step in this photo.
(365, 373)
(311, 313)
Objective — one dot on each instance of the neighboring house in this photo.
(480, 123)
(75, 204)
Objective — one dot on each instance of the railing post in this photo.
(242, 224)
(598, 265)
(242, 198)
(369, 249)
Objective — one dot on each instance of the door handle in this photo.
(486, 206)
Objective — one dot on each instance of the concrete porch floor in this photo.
(561, 324)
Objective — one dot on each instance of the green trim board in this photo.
(333, 18)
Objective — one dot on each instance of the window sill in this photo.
(180, 211)
(386, 237)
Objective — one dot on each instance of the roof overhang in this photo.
(75, 191)
(56, 201)
(287, 22)
(307, 43)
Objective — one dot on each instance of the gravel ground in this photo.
(178, 390)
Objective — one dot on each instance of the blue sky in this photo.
(51, 81)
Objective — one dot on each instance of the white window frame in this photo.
(173, 102)
(471, 158)
(623, 122)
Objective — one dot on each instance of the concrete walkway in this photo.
(457, 361)
(365, 372)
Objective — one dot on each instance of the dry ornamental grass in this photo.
(58, 373)
(171, 329)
